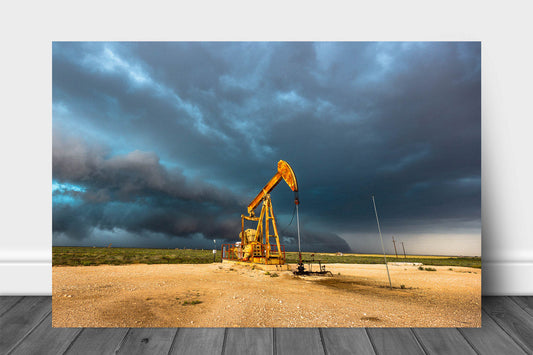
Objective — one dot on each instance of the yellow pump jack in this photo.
(255, 245)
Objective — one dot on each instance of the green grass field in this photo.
(85, 256)
(378, 259)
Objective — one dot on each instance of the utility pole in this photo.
(381, 238)
(395, 252)
(405, 257)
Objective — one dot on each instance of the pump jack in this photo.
(255, 244)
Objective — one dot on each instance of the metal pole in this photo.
(381, 238)
(298, 227)
(300, 267)
(395, 252)
(405, 257)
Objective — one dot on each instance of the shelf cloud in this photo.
(174, 139)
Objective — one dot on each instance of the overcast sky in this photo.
(165, 144)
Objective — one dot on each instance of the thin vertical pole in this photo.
(298, 227)
(381, 238)
(300, 267)
(405, 257)
(395, 252)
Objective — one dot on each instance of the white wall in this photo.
(506, 162)
(25, 109)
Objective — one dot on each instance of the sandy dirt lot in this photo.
(227, 295)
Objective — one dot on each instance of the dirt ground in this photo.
(228, 295)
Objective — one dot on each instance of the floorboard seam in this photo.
(274, 350)
(13, 305)
(419, 342)
(224, 341)
(517, 341)
(173, 341)
(371, 341)
(122, 341)
(73, 340)
(28, 333)
(526, 309)
(468, 341)
(322, 341)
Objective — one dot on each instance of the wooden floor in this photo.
(26, 328)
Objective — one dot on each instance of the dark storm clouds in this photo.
(176, 138)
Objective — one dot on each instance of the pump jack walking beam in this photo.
(285, 172)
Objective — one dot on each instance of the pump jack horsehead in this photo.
(255, 245)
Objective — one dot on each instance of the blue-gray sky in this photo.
(164, 144)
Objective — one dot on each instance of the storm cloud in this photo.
(135, 194)
(176, 138)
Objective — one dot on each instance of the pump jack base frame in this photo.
(264, 267)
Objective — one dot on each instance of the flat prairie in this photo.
(233, 295)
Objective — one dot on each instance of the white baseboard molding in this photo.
(509, 278)
(25, 278)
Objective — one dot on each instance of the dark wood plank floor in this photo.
(26, 328)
